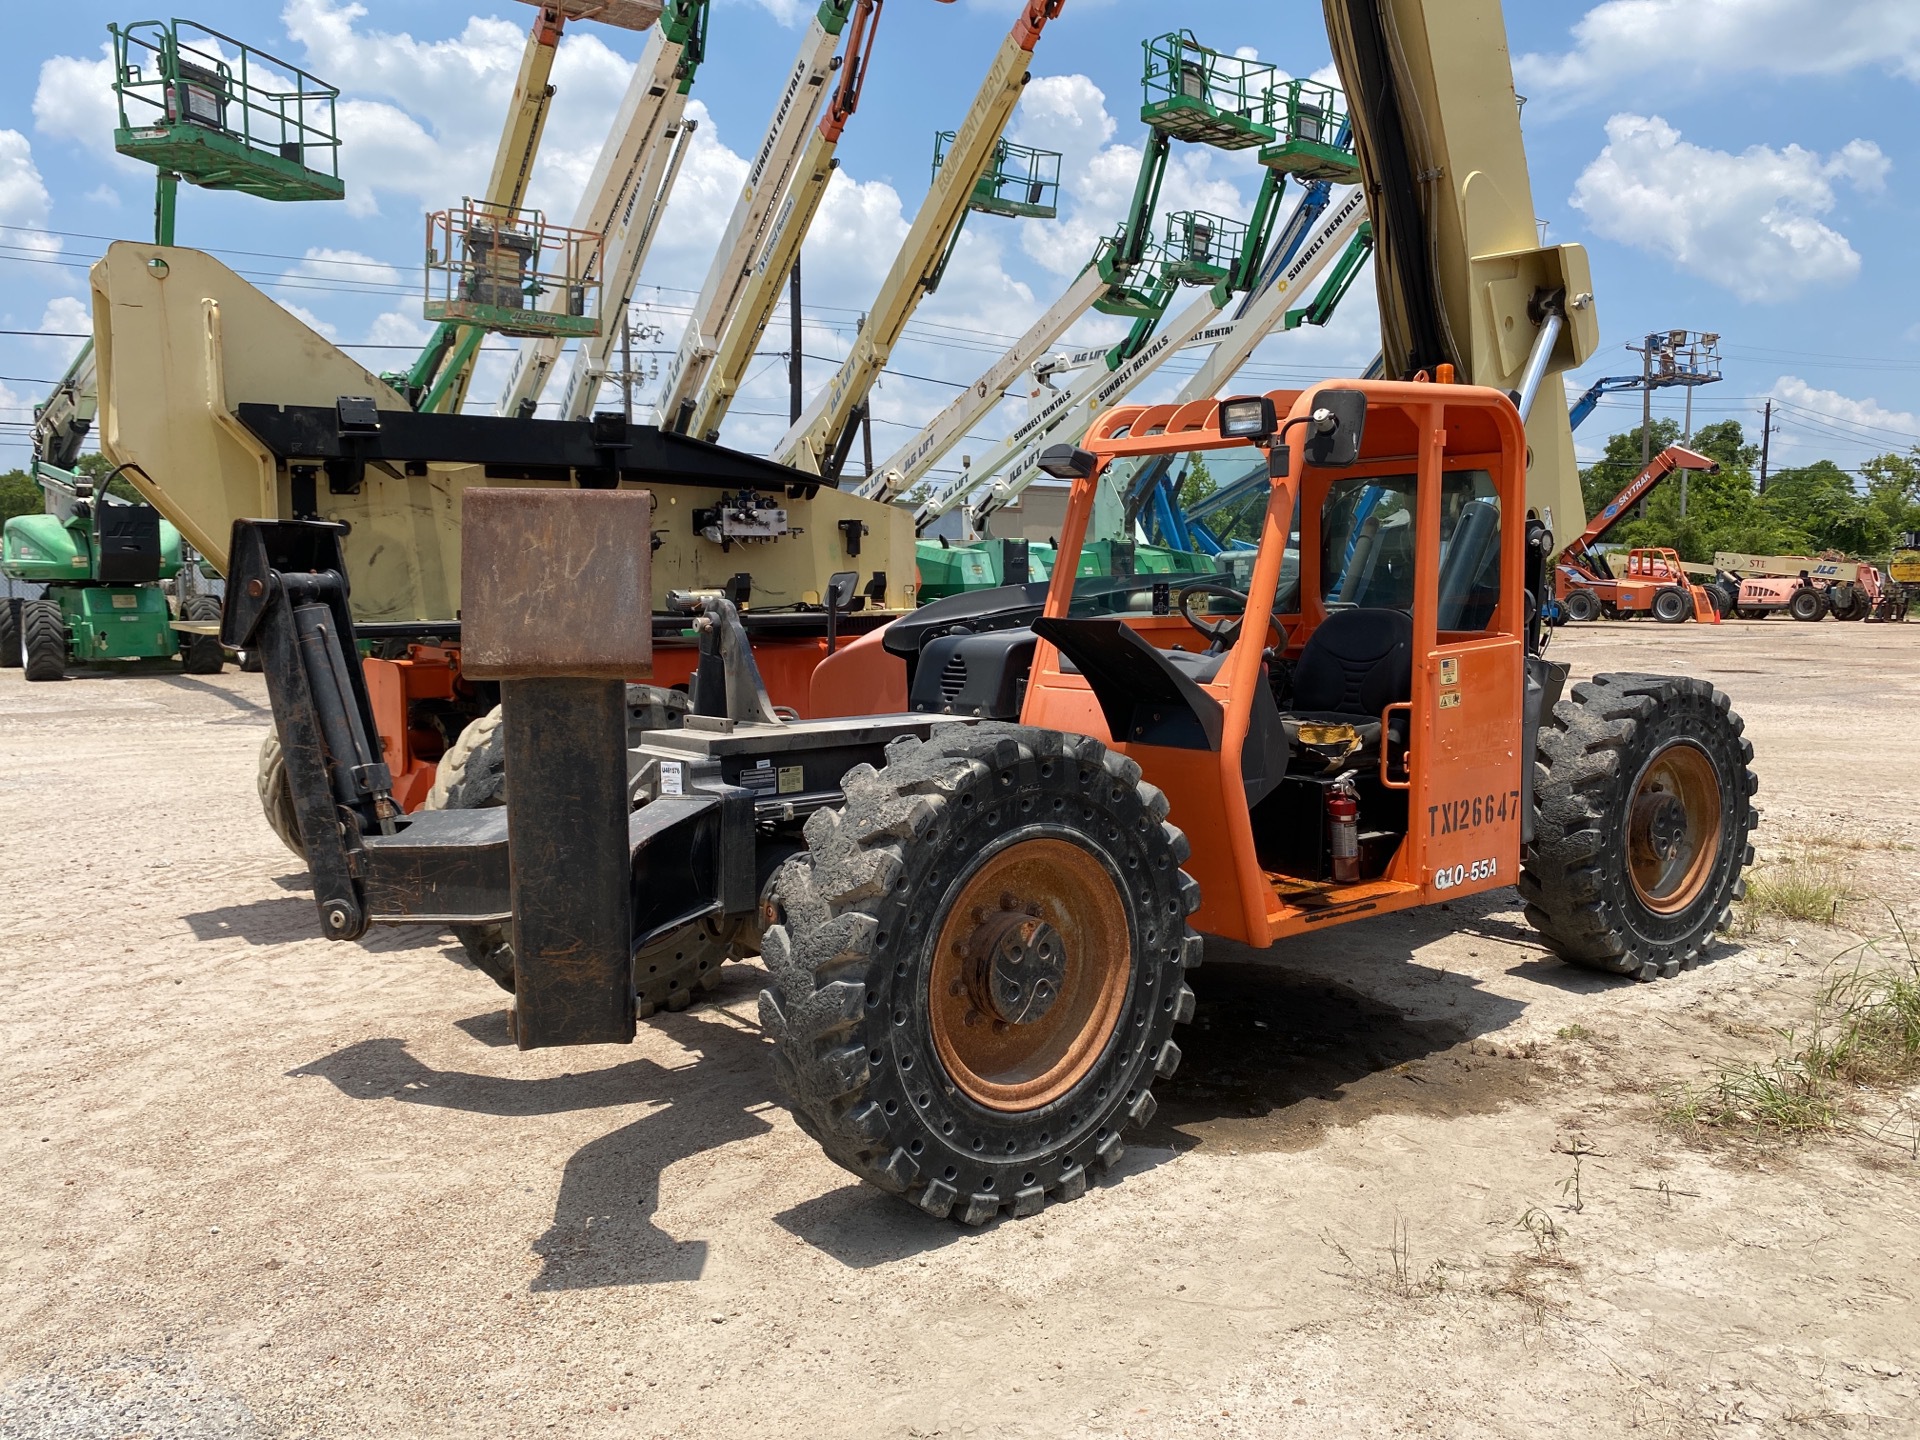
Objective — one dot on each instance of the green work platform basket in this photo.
(1202, 249)
(223, 115)
(1193, 93)
(1315, 141)
(1138, 291)
(1019, 180)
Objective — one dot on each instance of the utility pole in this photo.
(1646, 404)
(794, 404)
(1687, 441)
(626, 363)
(1766, 445)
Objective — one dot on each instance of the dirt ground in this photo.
(254, 1184)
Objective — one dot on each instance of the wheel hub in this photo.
(1673, 828)
(1028, 974)
(1017, 963)
(1663, 820)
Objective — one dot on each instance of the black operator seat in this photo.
(1354, 665)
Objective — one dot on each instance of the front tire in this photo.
(10, 656)
(276, 793)
(1672, 605)
(1645, 809)
(1581, 606)
(201, 654)
(977, 967)
(1807, 604)
(43, 635)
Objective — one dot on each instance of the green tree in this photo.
(18, 495)
(1197, 483)
(1820, 503)
(1893, 489)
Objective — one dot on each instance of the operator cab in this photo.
(1362, 638)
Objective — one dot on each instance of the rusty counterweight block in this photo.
(556, 603)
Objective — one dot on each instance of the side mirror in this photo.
(1067, 462)
(1339, 422)
(840, 589)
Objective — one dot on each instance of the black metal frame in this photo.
(579, 906)
(342, 439)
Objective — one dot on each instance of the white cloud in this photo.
(1815, 420)
(65, 316)
(1716, 40)
(74, 100)
(348, 266)
(24, 200)
(398, 327)
(421, 119)
(1747, 222)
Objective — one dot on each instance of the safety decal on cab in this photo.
(1450, 817)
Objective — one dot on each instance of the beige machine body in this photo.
(182, 342)
(1449, 70)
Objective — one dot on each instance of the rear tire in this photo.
(201, 654)
(896, 961)
(1581, 606)
(668, 974)
(10, 656)
(1672, 605)
(43, 634)
(1807, 604)
(276, 793)
(1645, 808)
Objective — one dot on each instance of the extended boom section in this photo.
(816, 438)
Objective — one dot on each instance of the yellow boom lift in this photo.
(622, 204)
(440, 377)
(974, 172)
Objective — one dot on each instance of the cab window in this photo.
(1469, 551)
(1367, 543)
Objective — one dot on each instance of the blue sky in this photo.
(1743, 166)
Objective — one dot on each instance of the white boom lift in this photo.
(818, 439)
(1065, 414)
(628, 188)
(730, 279)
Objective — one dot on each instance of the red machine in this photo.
(1653, 582)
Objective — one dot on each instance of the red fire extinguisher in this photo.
(1343, 819)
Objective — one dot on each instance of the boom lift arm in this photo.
(815, 438)
(445, 368)
(625, 192)
(768, 179)
(760, 288)
(1066, 415)
(1669, 460)
(1463, 279)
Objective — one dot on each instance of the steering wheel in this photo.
(1224, 633)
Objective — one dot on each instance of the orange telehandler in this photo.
(977, 915)
(1652, 581)
(978, 883)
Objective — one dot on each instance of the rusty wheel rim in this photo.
(1029, 974)
(1673, 828)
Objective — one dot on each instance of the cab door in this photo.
(1465, 768)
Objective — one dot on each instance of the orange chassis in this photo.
(406, 692)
